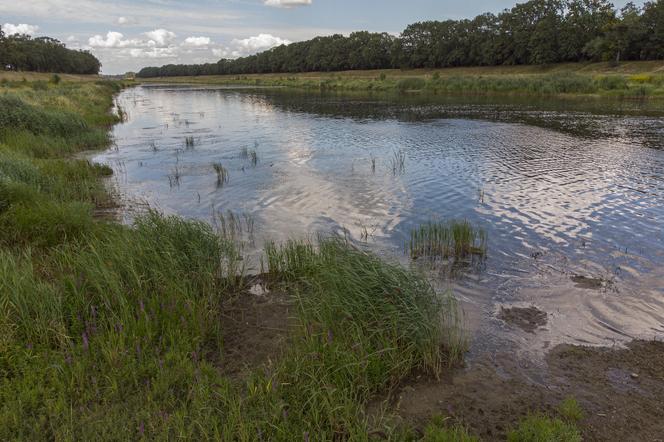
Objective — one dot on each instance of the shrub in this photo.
(411, 84)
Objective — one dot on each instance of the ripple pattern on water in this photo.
(560, 193)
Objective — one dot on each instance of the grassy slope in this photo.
(639, 79)
(110, 332)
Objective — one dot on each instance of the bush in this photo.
(611, 82)
(411, 84)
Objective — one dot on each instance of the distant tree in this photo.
(533, 32)
(44, 54)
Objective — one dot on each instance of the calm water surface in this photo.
(564, 189)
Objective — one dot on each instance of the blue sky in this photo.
(127, 35)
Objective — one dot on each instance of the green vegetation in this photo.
(536, 32)
(222, 173)
(116, 332)
(540, 428)
(44, 54)
(442, 240)
(438, 431)
(570, 410)
(642, 79)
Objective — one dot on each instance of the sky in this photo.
(128, 35)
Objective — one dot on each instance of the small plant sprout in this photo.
(175, 177)
(398, 162)
(222, 174)
(253, 158)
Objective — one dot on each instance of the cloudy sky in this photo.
(127, 35)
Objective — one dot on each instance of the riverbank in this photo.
(155, 331)
(629, 79)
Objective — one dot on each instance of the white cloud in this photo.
(196, 41)
(72, 39)
(112, 40)
(287, 3)
(127, 21)
(21, 28)
(160, 36)
(258, 43)
(168, 52)
(248, 46)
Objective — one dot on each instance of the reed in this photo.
(398, 162)
(189, 142)
(222, 174)
(443, 240)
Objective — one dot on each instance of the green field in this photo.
(629, 79)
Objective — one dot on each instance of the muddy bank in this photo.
(620, 390)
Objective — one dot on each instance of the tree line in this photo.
(535, 32)
(44, 54)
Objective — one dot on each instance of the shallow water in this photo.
(564, 189)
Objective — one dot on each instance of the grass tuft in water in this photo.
(222, 174)
(398, 162)
(189, 142)
(443, 240)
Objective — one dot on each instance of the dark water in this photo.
(564, 189)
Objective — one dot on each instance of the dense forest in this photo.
(44, 54)
(535, 32)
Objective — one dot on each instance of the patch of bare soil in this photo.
(255, 330)
(526, 318)
(620, 390)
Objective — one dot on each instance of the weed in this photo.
(540, 428)
(570, 410)
(440, 431)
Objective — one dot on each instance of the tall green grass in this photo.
(115, 332)
(443, 240)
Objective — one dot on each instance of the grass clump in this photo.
(570, 410)
(222, 174)
(443, 240)
(411, 84)
(16, 114)
(397, 162)
(540, 428)
(439, 431)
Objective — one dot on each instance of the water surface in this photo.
(565, 189)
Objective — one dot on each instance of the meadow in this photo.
(628, 80)
(114, 332)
